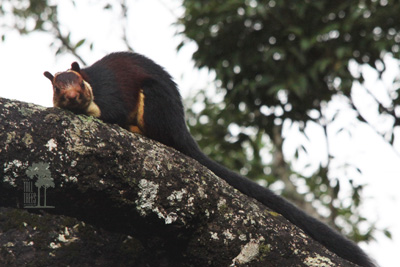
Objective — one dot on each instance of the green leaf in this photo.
(81, 42)
(388, 234)
(305, 44)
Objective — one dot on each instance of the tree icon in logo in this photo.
(42, 173)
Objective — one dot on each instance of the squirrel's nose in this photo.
(71, 95)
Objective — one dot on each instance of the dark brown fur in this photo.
(134, 92)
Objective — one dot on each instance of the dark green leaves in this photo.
(263, 50)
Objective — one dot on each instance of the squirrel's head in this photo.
(70, 90)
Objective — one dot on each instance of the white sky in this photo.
(24, 59)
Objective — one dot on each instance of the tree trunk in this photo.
(38, 202)
(44, 198)
(124, 200)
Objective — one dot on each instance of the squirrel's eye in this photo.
(82, 85)
(56, 89)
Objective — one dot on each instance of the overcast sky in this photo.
(24, 59)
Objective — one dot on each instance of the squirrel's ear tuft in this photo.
(75, 67)
(49, 76)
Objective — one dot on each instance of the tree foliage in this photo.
(280, 63)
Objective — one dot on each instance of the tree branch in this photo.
(122, 199)
(66, 43)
